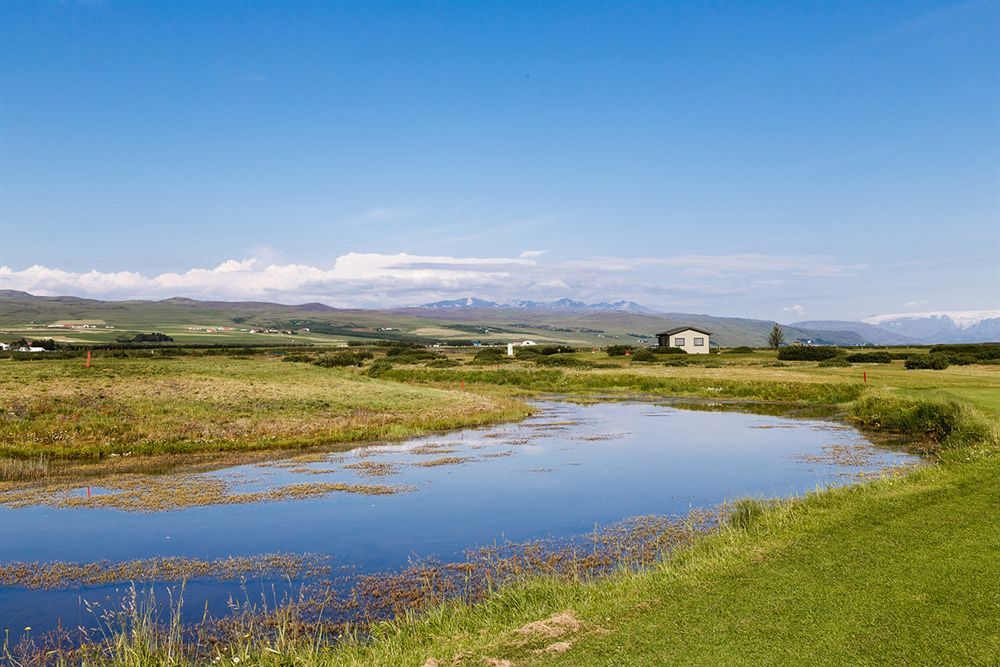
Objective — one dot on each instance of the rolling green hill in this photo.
(188, 320)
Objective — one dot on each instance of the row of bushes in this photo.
(807, 353)
(935, 362)
(334, 360)
(622, 350)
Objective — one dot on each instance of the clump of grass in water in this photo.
(374, 468)
(144, 493)
(65, 575)
(444, 461)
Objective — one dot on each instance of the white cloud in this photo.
(388, 280)
(382, 214)
(742, 264)
(794, 310)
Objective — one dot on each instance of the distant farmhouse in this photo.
(690, 339)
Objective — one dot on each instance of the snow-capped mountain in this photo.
(468, 302)
(558, 305)
(964, 326)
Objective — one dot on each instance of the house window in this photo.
(699, 342)
(678, 342)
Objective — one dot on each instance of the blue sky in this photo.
(777, 160)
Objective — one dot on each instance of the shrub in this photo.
(836, 362)
(46, 344)
(807, 353)
(643, 355)
(304, 358)
(339, 359)
(554, 349)
(618, 350)
(379, 367)
(490, 355)
(155, 337)
(528, 352)
(571, 362)
(410, 355)
(959, 354)
(743, 349)
(668, 350)
(869, 358)
(934, 362)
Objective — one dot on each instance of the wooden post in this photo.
(88, 358)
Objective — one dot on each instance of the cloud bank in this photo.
(389, 280)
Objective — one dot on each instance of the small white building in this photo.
(528, 343)
(690, 339)
(4, 347)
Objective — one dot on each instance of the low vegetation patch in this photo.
(66, 575)
(807, 353)
(869, 358)
(941, 423)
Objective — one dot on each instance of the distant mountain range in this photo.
(559, 305)
(565, 320)
(967, 326)
(975, 326)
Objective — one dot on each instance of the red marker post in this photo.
(88, 358)
(866, 377)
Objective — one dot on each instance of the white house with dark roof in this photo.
(690, 339)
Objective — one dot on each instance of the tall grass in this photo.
(561, 381)
(18, 470)
(946, 424)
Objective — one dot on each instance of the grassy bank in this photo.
(60, 410)
(894, 572)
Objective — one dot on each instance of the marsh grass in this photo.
(374, 468)
(17, 470)
(302, 629)
(59, 410)
(51, 575)
(159, 493)
(939, 424)
(444, 461)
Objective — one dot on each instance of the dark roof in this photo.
(671, 332)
